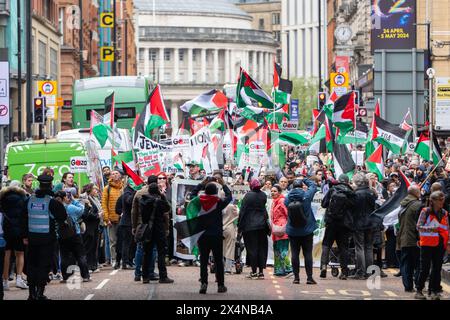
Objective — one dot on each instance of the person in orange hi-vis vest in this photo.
(433, 231)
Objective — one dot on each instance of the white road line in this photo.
(331, 292)
(152, 291)
(114, 272)
(391, 294)
(102, 284)
(281, 297)
(89, 297)
(274, 281)
(277, 286)
(279, 292)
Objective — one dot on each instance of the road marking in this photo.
(89, 297)
(102, 284)
(152, 291)
(277, 286)
(391, 294)
(281, 297)
(331, 292)
(363, 292)
(271, 273)
(367, 298)
(279, 292)
(114, 272)
(274, 281)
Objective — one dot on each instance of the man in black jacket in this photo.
(125, 236)
(339, 202)
(363, 229)
(212, 238)
(40, 217)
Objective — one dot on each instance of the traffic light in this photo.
(321, 100)
(39, 107)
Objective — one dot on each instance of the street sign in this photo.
(107, 20)
(4, 93)
(294, 110)
(48, 87)
(362, 112)
(339, 83)
(442, 110)
(107, 53)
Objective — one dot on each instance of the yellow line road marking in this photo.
(391, 294)
(331, 291)
(359, 293)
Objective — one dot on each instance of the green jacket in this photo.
(408, 236)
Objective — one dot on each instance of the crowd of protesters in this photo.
(130, 227)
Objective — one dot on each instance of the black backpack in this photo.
(66, 229)
(297, 214)
(337, 208)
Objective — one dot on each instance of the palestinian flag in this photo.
(282, 88)
(322, 142)
(329, 106)
(276, 117)
(293, 138)
(343, 161)
(98, 128)
(109, 113)
(388, 134)
(199, 216)
(218, 123)
(423, 149)
(388, 212)
(249, 93)
(253, 113)
(137, 180)
(344, 116)
(206, 103)
(357, 136)
(125, 157)
(375, 163)
(153, 116)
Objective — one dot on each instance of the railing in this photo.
(206, 34)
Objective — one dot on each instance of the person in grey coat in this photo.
(407, 238)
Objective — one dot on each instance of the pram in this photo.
(334, 259)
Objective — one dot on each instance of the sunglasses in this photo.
(162, 178)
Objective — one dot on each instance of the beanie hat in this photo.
(343, 178)
(153, 188)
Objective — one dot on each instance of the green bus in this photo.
(131, 94)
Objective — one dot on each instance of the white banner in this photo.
(145, 144)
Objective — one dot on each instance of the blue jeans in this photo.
(138, 260)
(409, 266)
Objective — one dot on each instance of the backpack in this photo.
(147, 207)
(337, 208)
(66, 230)
(297, 214)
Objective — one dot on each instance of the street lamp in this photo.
(431, 73)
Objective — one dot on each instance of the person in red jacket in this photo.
(282, 263)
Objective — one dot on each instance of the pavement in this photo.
(112, 284)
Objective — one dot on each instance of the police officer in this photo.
(41, 214)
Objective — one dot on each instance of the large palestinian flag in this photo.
(357, 136)
(199, 216)
(282, 88)
(375, 164)
(423, 149)
(388, 212)
(153, 116)
(343, 161)
(344, 114)
(249, 93)
(388, 134)
(293, 138)
(212, 101)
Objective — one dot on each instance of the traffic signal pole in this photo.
(29, 47)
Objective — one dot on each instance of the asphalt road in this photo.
(112, 284)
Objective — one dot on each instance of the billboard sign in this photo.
(393, 24)
(442, 116)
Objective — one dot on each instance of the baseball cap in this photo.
(193, 163)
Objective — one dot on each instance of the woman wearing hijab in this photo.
(253, 224)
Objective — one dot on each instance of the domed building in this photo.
(191, 46)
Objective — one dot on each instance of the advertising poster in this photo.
(393, 24)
